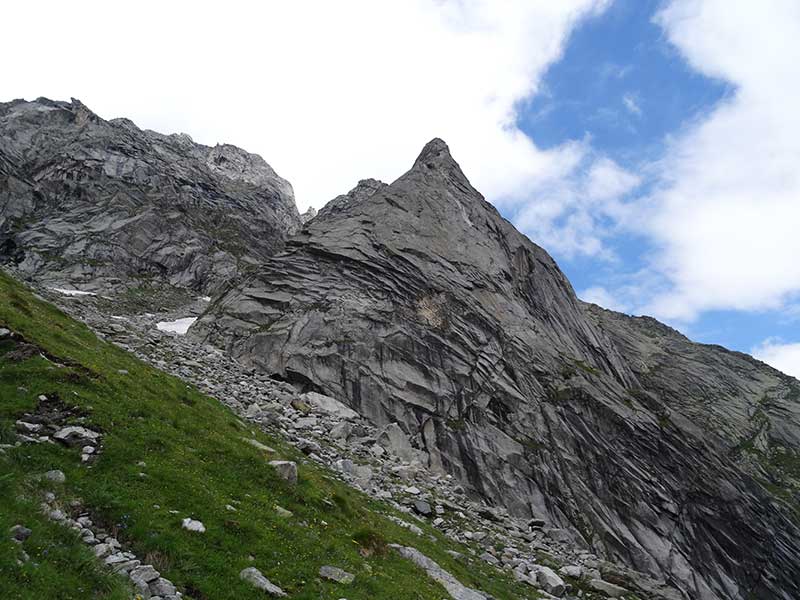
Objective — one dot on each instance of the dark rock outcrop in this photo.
(84, 200)
(416, 302)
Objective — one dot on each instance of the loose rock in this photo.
(256, 579)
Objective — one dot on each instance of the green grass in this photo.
(196, 463)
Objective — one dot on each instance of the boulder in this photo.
(256, 578)
(549, 581)
(336, 574)
(55, 476)
(20, 533)
(76, 436)
(422, 508)
(394, 440)
(286, 469)
(329, 405)
(193, 525)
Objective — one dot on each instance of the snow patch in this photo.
(73, 292)
(204, 298)
(179, 326)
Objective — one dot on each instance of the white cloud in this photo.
(784, 357)
(630, 102)
(601, 296)
(726, 215)
(327, 92)
(572, 214)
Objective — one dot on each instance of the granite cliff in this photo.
(417, 303)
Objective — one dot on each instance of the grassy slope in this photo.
(196, 463)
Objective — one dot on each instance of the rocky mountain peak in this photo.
(435, 153)
(416, 303)
(435, 164)
(105, 200)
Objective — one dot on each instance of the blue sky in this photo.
(652, 147)
(624, 87)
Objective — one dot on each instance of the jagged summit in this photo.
(436, 162)
(434, 152)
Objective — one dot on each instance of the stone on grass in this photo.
(76, 436)
(286, 469)
(192, 525)
(336, 574)
(162, 587)
(20, 533)
(455, 588)
(55, 476)
(256, 578)
(26, 427)
(145, 574)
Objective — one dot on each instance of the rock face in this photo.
(84, 200)
(417, 303)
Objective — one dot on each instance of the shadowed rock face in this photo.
(86, 200)
(416, 302)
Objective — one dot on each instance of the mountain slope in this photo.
(89, 201)
(168, 452)
(417, 303)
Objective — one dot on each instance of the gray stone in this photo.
(255, 578)
(455, 588)
(329, 405)
(162, 587)
(145, 573)
(341, 431)
(608, 589)
(286, 469)
(336, 574)
(574, 571)
(549, 581)
(20, 533)
(55, 476)
(193, 525)
(26, 427)
(422, 508)
(396, 441)
(76, 436)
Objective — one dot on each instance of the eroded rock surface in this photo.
(417, 303)
(88, 201)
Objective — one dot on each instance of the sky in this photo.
(651, 146)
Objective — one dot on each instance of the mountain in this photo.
(417, 303)
(88, 202)
(120, 481)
